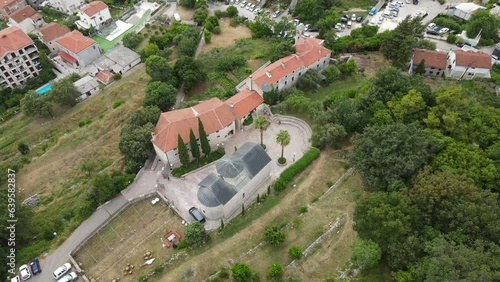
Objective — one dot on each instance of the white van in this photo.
(349, 24)
(61, 270)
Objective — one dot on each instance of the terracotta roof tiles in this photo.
(93, 8)
(24, 13)
(244, 102)
(473, 59)
(13, 39)
(52, 31)
(432, 59)
(75, 41)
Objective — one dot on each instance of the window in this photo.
(286, 82)
(431, 72)
(300, 73)
(470, 73)
(218, 136)
(293, 78)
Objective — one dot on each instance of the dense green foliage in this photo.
(195, 164)
(132, 40)
(204, 143)
(241, 272)
(295, 252)
(196, 235)
(193, 145)
(274, 235)
(36, 105)
(160, 94)
(485, 22)
(366, 253)
(261, 123)
(64, 92)
(182, 150)
(294, 169)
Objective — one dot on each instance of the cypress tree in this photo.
(205, 145)
(182, 150)
(420, 69)
(193, 144)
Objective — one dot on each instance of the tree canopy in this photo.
(485, 22)
(160, 94)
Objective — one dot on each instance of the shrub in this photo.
(275, 271)
(241, 272)
(248, 121)
(274, 235)
(216, 30)
(223, 273)
(297, 167)
(117, 76)
(116, 104)
(204, 160)
(23, 148)
(220, 14)
(329, 183)
(282, 160)
(295, 252)
(182, 245)
(84, 121)
(208, 36)
(234, 22)
(452, 38)
(303, 209)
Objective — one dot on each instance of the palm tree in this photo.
(261, 123)
(283, 138)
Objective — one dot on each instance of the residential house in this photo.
(434, 61)
(77, 49)
(119, 59)
(465, 10)
(219, 119)
(87, 85)
(8, 7)
(285, 72)
(66, 6)
(105, 77)
(95, 14)
(236, 178)
(468, 64)
(27, 19)
(19, 58)
(50, 32)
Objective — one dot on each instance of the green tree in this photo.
(160, 94)
(262, 26)
(241, 272)
(135, 141)
(132, 39)
(23, 148)
(200, 15)
(389, 155)
(281, 49)
(283, 138)
(189, 71)
(274, 235)
(182, 150)
(485, 22)
(328, 134)
(331, 74)
(144, 115)
(158, 68)
(366, 253)
(193, 144)
(204, 143)
(451, 38)
(275, 271)
(64, 92)
(151, 49)
(196, 235)
(187, 3)
(344, 111)
(410, 108)
(36, 105)
(347, 68)
(262, 124)
(449, 103)
(208, 36)
(232, 11)
(398, 46)
(420, 69)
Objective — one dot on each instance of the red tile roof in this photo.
(67, 57)
(214, 114)
(93, 8)
(104, 76)
(5, 3)
(24, 13)
(244, 102)
(52, 31)
(75, 41)
(473, 59)
(308, 52)
(13, 39)
(432, 59)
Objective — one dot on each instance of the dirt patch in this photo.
(371, 62)
(227, 36)
(186, 14)
(199, 88)
(137, 230)
(255, 64)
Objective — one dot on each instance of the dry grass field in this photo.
(125, 240)
(228, 35)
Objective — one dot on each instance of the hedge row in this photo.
(287, 175)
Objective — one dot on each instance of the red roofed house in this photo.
(434, 61)
(8, 7)
(27, 19)
(94, 14)
(18, 57)
(468, 64)
(50, 32)
(220, 120)
(77, 49)
(285, 72)
(105, 77)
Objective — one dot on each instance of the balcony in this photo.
(31, 49)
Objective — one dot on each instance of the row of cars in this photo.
(249, 6)
(60, 274)
(434, 29)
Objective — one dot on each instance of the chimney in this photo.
(153, 137)
(249, 84)
(282, 65)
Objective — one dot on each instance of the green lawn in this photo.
(106, 45)
(350, 83)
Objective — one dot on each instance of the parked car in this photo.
(338, 27)
(344, 20)
(349, 24)
(353, 17)
(24, 272)
(444, 30)
(35, 266)
(306, 27)
(15, 279)
(432, 32)
(380, 20)
(400, 3)
(276, 14)
(196, 214)
(373, 11)
(243, 4)
(415, 2)
(431, 25)
(365, 22)
(68, 277)
(494, 57)
(408, 1)
(313, 29)
(359, 19)
(462, 44)
(61, 270)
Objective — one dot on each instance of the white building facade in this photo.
(66, 6)
(95, 14)
(82, 50)
(27, 19)
(468, 64)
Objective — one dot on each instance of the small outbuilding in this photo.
(465, 10)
